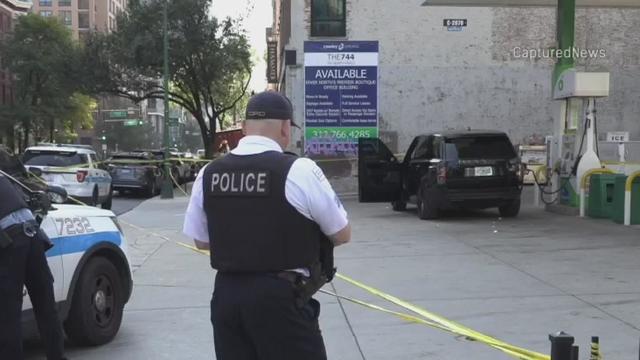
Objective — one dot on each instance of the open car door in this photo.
(379, 172)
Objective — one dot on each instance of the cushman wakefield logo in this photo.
(575, 53)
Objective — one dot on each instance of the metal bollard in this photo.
(595, 348)
(562, 346)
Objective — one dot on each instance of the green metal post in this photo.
(167, 184)
(565, 35)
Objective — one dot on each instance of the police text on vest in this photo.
(240, 183)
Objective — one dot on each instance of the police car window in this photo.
(54, 158)
(483, 147)
(94, 158)
(422, 150)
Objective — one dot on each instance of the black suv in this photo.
(462, 169)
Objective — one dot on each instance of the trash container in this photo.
(601, 190)
(618, 201)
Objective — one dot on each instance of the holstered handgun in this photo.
(321, 272)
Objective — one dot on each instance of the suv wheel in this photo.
(511, 209)
(109, 202)
(399, 205)
(97, 304)
(426, 209)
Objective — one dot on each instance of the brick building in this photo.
(82, 16)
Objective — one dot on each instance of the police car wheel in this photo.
(97, 305)
(94, 198)
(109, 202)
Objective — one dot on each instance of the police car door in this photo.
(54, 258)
(379, 172)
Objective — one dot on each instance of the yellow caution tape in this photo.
(427, 318)
(449, 325)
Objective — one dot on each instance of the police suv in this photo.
(91, 270)
(73, 167)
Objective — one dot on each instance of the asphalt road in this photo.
(125, 203)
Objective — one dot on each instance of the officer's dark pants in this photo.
(25, 263)
(255, 318)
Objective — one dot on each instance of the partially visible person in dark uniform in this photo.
(266, 215)
(23, 262)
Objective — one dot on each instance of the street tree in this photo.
(206, 58)
(43, 57)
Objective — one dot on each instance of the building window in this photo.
(65, 3)
(83, 20)
(83, 5)
(65, 16)
(46, 2)
(329, 18)
(46, 13)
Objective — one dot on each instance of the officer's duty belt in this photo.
(28, 228)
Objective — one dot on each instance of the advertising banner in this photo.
(341, 96)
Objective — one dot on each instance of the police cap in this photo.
(270, 105)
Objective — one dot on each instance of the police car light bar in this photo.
(522, 3)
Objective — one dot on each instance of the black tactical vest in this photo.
(252, 226)
(10, 198)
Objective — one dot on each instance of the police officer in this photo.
(23, 262)
(264, 214)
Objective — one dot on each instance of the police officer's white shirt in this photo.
(306, 189)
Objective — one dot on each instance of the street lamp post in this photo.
(167, 185)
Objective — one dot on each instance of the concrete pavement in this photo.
(516, 279)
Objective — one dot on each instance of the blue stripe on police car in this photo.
(80, 243)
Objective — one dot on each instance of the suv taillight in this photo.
(81, 175)
(442, 174)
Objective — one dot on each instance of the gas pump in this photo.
(572, 151)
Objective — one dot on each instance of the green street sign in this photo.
(133, 122)
(118, 114)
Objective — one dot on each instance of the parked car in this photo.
(75, 168)
(130, 172)
(179, 169)
(463, 169)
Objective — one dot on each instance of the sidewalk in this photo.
(518, 280)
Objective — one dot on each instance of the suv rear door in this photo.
(419, 163)
(379, 172)
(479, 161)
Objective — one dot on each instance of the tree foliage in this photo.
(206, 58)
(44, 59)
